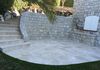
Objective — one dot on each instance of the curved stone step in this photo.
(11, 21)
(9, 28)
(10, 42)
(9, 25)
(9, 33)
(9, 37)
(11, 48)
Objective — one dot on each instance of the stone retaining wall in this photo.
(36, 26)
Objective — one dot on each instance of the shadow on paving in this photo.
(9, 63)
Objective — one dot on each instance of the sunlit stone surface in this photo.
(55, 52)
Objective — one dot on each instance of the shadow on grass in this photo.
(9, 63)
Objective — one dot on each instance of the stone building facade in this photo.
(82, 9)
(85, 8)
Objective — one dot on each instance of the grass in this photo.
(9, 63)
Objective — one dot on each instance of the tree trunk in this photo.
(58, 2)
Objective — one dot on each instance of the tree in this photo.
(69, 3)
(62, 2)
(47, 6)
(58, 2)
(19, 4)
(5, 5)
(11, 4)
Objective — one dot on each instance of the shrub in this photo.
(69, 3)
(11, 4)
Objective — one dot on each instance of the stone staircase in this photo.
(10, 37)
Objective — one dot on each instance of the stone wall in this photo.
(36, 26)
(83, 8)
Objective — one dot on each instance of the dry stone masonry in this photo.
(84, 8)
(36, 26)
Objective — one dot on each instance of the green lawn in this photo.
(9, 63)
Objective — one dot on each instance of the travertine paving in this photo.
(55, 52)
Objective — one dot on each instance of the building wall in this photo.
(83, 8)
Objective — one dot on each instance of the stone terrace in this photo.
(55, 52)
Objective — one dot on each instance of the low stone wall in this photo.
(36, 26)
(86, 38)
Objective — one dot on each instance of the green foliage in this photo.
(58, 2)
(69, 3)
(47, 6)
(5, 5)
(19, 4)
(9, 4)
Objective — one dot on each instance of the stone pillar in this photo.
(82, 9)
